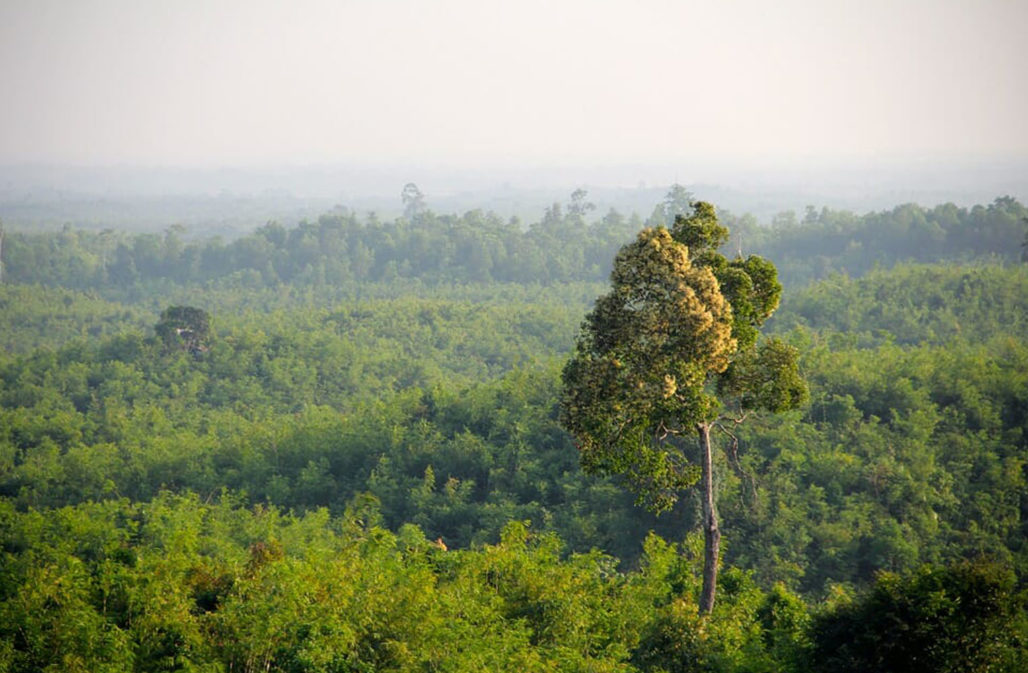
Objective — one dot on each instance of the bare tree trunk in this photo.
(711, 533)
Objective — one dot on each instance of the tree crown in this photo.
(674, 339)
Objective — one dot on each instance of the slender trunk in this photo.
(711, 533)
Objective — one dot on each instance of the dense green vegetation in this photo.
(270, 501)
(342, 249)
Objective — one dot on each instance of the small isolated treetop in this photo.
(671, 344)
(413, 201)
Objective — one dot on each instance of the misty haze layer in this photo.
(467, 83)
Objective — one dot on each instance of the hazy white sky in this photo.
(207, 82)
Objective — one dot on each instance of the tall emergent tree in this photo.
(672, 353)
(413, 201)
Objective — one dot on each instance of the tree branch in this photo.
(732, 451)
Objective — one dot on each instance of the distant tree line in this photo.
(480, 246)
(833, 241)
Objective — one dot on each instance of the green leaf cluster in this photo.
(673, 340)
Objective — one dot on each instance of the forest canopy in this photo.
(337, 446)
(342, 248)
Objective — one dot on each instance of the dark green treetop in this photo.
(185, 328)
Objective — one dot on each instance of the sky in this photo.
(469, 83)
